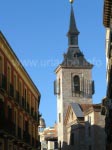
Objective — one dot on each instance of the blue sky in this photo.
(36, 31)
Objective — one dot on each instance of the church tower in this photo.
(74, 80)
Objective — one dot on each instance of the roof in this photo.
(72, 28)
(81, 109)
(42, 123)
(4, 39)
(107, 12)
(75, 58)
(90, 108)
(77, 110)
(85, 107)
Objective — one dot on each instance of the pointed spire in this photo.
(73, 31)
(72, 28)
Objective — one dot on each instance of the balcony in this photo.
(3, 82)
(7, 127)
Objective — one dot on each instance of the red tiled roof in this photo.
(87, 107)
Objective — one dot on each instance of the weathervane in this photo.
(71, 1)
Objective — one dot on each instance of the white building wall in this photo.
(107, 45)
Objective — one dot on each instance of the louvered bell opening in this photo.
(56, 87)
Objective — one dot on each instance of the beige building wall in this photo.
(95, 130)
(66, 95)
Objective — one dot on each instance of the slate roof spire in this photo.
(73, 31)
(74, 57)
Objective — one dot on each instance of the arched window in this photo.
(76, 83)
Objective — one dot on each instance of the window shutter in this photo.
(93, 87)
(57, 87)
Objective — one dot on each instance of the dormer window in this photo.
(76, 83)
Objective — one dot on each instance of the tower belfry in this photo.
(73, 78)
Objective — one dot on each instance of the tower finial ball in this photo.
(71, 1)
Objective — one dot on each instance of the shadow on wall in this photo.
(86, 137)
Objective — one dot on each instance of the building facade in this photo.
(19, 103)
(73, 79)
(85, 127)
(75, 127)
(107, 101)
(48, 136)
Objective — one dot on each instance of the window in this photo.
(72, 139)
(73, 40)
(9, 74)
(57, 86)
(29, 127)
(59, 145)
(20, 91)
(15, 147)
(26, 126)
(30, 102)
(15, 117)
(15, 85)
(20, 126)
(9, 113)
(1, 65)
(15, 122)
(59, 117)
(25, 93)
(10, 147)
(89, 119)
(32, 105)
(1, 109)
(8, 77)
(89, 131)
(1, 147)
(25, 97)
(90, 148)
(56, 145)
(111, 36)
(72, 115)
(76, 83)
